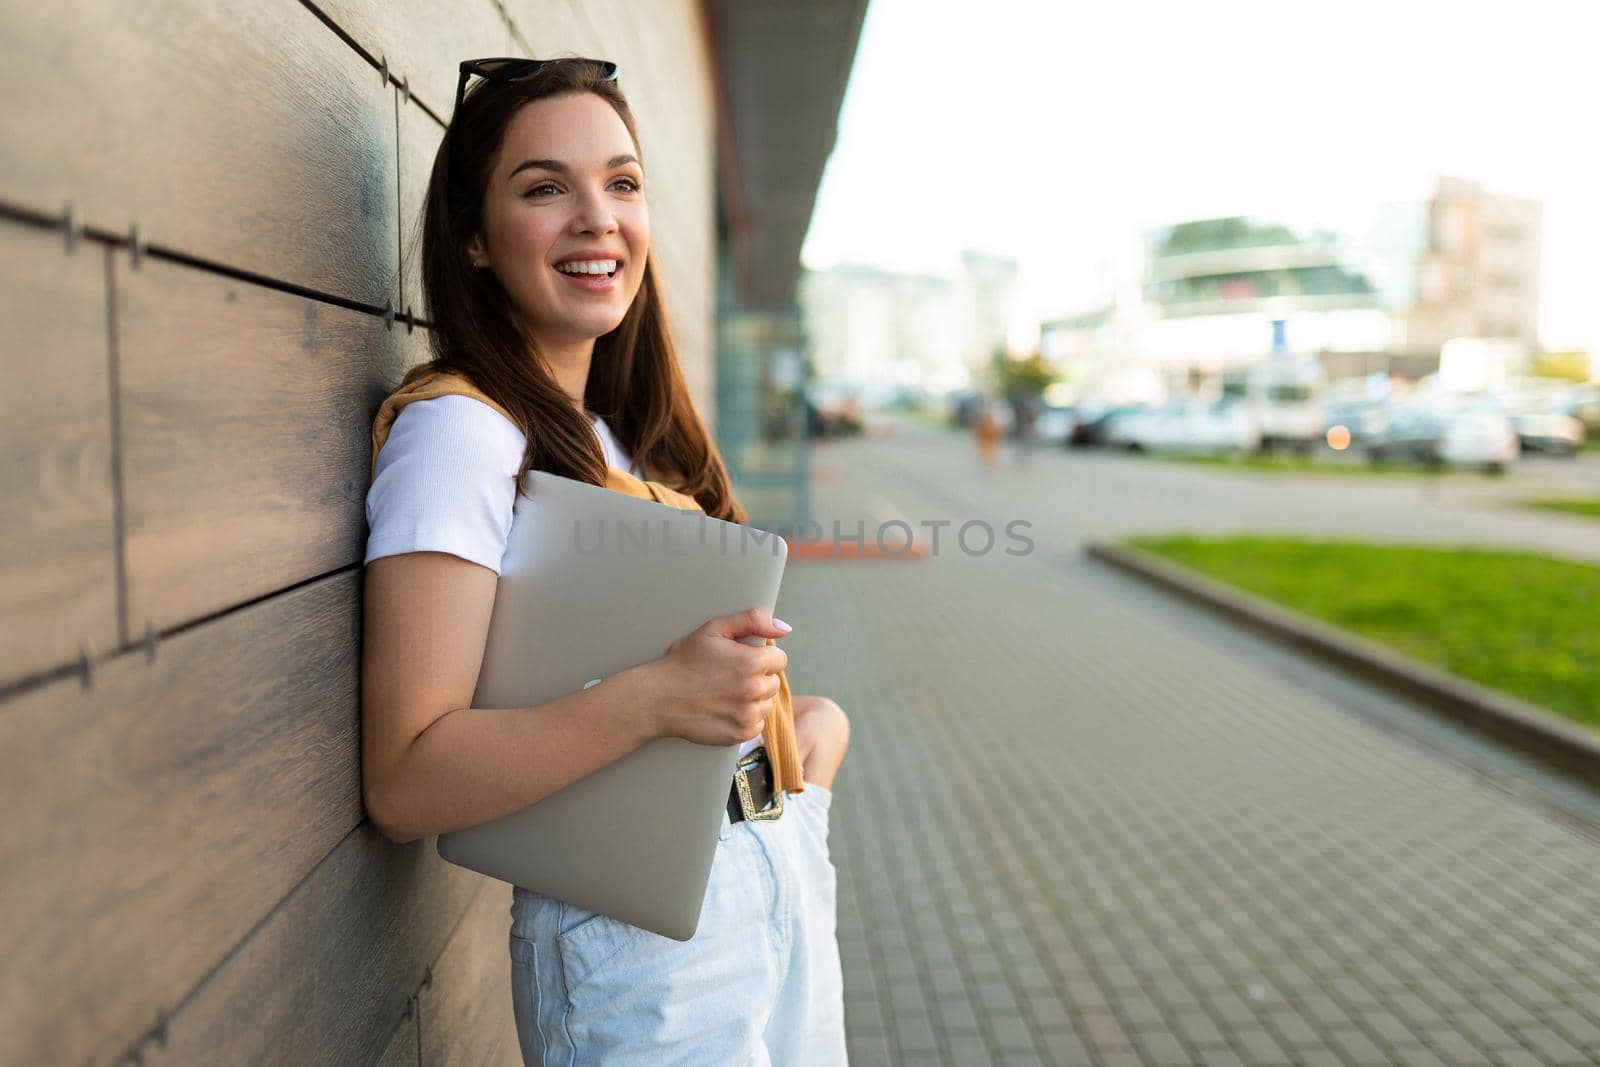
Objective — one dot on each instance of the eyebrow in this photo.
(560, 167)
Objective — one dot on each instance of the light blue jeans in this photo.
(758, 984)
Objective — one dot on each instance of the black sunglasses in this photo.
(510, 70)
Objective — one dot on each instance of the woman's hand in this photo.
(710, 687)
(822, 734)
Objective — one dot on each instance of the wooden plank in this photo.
(328, 976)
(507, 1051)
(248, 135)
(420, 137)
(553, 28)
(404, 1047)
(58, 578)
(466, 1008)
(423, 41)
(396, 293)
(152, 820)
(246, 436)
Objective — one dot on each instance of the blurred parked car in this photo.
(1129, 427)
(1055, 424)
(1191, 425)
(832, 409)
(1133, 428)
(1413, 431)
(1548, 431)
(1225, 427)
(1094, 425)
(1463, 433)
(1583, 403)
(1480, 438)
(1542, 414)
(1362, 423)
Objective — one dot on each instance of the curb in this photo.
(1572, 748)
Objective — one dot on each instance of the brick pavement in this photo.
(1070, 831)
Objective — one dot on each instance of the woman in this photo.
(551, 350)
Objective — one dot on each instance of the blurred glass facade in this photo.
(761, 413)
(782, 70)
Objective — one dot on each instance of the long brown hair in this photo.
(635, 381)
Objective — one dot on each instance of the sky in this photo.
(1056, 132)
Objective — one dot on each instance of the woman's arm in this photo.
(431, 763)
(822, 734)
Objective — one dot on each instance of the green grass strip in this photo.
(1517, 622)
(1589, 507)
(1291, 463)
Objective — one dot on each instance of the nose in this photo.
(593, 213)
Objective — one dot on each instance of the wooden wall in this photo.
(204, 209)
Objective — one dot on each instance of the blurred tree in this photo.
(1022, 383)
(1028, 376)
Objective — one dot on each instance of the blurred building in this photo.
(880, 329)
(1380, 288)
(989, 284)
(1479, 275)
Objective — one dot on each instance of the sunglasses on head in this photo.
(511, 70)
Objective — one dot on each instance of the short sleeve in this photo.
(445, 481)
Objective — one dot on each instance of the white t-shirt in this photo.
(446, 481)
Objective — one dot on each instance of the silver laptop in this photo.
(594, 582)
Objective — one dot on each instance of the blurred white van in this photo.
(1283, 398)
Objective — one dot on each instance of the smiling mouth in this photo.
(584, 270)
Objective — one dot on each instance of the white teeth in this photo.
(589, 266)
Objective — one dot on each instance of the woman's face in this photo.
(565, 198)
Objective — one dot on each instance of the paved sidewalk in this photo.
(1083, 824)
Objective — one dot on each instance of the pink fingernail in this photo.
(780, 624)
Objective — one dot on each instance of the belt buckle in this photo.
(747, 800)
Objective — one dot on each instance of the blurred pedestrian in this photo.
(986, 431)
(1027, 409)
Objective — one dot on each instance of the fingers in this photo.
(772, 659)
(763, 659)
(760, 690)
(742, 624)
(751, 722)
(759, 706)
(750, 679)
